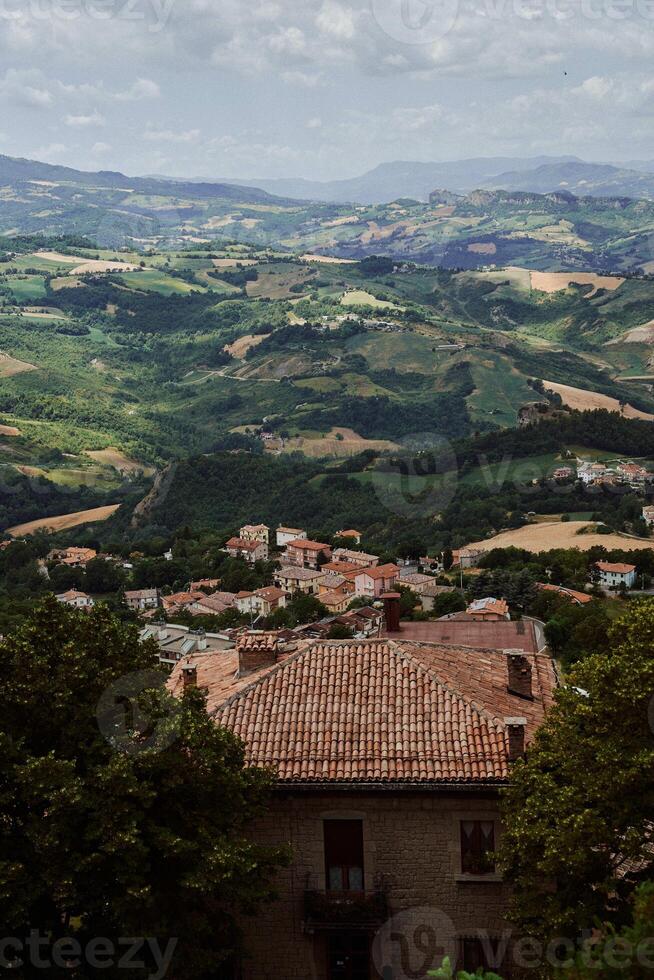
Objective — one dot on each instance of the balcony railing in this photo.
(356, 910)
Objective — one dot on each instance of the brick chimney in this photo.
(516, 729)
(256, 650)
(392, 611)
(189, 676)
(519, 674)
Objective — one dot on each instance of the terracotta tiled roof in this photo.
(242, 545)
(618, 568)
(301, 574)
(462, 630)
(380, 571)
(579, 597)
(303, 544)
(260, 642)
(374, 711)
(271, 593)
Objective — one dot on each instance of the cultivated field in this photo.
(53, 524)
(327, 259)
(338, 442)
(553, 282)
(241, 346)
(359, 297)
(9, 366)
(544, 537)
(582, 400)
(119, 461)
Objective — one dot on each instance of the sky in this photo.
(322, 88)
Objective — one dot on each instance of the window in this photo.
(344, 855)
(477, 846)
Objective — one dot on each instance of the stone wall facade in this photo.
(412, 856)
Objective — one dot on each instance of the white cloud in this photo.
(143, 88)
(82, 121)
(25, 88)
(100, 149)
(155, 135)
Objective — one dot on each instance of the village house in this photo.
(633, 474)
(364, 622)
(293, 579)
(489, 610)
(350, 535)
(648, 516)
(335, 602)
(284, 535)
(262, 602)
(307, 554)
(73, 557)
(180, 600)
(429, 592)
(563, 473)
(175, 642)
(212, 605)
(394, 788)
(432, 564)
(78, 600)
(255, 532)
(142, 599)
(466, 557)
(250, 551)
(590, 472)
(614, 575)
(373, 582)
(358, 558)
(578, 598)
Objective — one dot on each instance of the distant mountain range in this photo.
(405, 179)
(14, 170)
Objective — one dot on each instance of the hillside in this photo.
(548, 232)
(114, 361)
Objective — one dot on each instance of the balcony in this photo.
(334, 910)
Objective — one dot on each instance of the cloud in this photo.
(155, 135)
(24, 88)
(81, 122)
(143, 88)
(100, 149)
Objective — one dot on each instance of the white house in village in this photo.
(613, 575)
(255, 532)
(285, 535)
(648, 515)
(78, 600)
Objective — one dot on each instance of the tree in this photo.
(113, 832)
(582, 802)
(616, 953)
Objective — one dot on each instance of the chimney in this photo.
(519, 674)
(516, 728)
(256, 650)
(392, 611)
(189, 676)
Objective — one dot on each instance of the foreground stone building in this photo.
(390, 758)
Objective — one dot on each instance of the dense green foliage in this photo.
(113, 826)
(579, 808)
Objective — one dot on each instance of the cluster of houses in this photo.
(599, 474)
